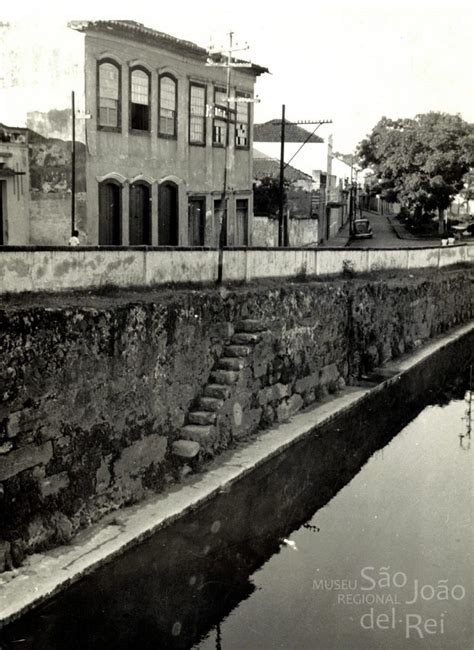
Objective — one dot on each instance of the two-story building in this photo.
(158, 141)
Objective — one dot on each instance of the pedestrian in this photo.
(74, 239)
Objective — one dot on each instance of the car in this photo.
(362, 229)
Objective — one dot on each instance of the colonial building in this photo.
(14, 191)
(158, 141)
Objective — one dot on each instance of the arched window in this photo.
(139, 100)
(108, 100)
(167, 118)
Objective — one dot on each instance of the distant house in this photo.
(298, 184)
(14, 188)
(302, 226)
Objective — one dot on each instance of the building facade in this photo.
(14, 188)
(159, 148)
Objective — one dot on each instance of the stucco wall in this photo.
(15, 193)
(94, 394)
(59, 269)
(50, 218)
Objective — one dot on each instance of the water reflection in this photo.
(243, 566)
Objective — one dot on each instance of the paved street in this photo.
(386, 237)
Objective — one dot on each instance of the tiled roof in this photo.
(137, 31)
(264, 166)
(271, 132)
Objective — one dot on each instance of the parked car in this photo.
(362, 229)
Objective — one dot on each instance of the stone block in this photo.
(329, 374)
(197, 432)
(53, 484)
(289, 407)
(222, 330)
(224, 376)
(250, 325)
(307, 383)
(25, 457)
(210, 403)
(62, 445)
(230, 363)
(103, 476)
(139, 456)
(273, 393)
(185, 448)
(217, 390)
(6, 447)
(5, 556)
(237, 350)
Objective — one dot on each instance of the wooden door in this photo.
(139, 216)
(241, 222)
(1, 213)
(168, 215)
(110, 214)
(196, 222)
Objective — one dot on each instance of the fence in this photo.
(57, 269)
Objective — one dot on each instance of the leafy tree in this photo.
(266, 195)
(420, 162)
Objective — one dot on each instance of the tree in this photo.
(266, 195)
(420, 162)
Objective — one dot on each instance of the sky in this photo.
(348, 62)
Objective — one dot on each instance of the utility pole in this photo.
(282, 231)
(282, 222)
(73, 165)
(229, 63)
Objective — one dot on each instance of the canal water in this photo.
(359, 539)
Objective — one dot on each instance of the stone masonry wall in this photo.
(94, 399)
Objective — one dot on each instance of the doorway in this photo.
(110, 214)
(140, 213)
(168, 214)
(196, 221)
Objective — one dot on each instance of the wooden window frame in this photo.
(203, 143)
(243, 147)
(112, 129)
(146, 131)
(167, 136)
(220, 145)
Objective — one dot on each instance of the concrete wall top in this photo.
(61, 268)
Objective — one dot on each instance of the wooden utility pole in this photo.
(282, 235)
(73, 165)
(228, 64)
(282, 222)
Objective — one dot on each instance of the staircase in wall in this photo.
(201, 431)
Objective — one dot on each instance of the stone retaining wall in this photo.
(94, 399)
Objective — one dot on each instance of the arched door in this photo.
(168, 214)
(139, 216)
(110, 214)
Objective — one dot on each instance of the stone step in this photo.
(197, 432)
(185, 448)
(222, 391)
(210, 404)
(249, 325)
(237, 350)
(224, 376)
(230, 363)
(246, 338)
(202, 417)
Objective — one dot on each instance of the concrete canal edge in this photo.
(47, 574)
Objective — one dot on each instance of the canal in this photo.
(357, 538)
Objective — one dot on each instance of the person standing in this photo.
(74, 239)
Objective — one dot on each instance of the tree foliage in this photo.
(420, 162)
(266, 195)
